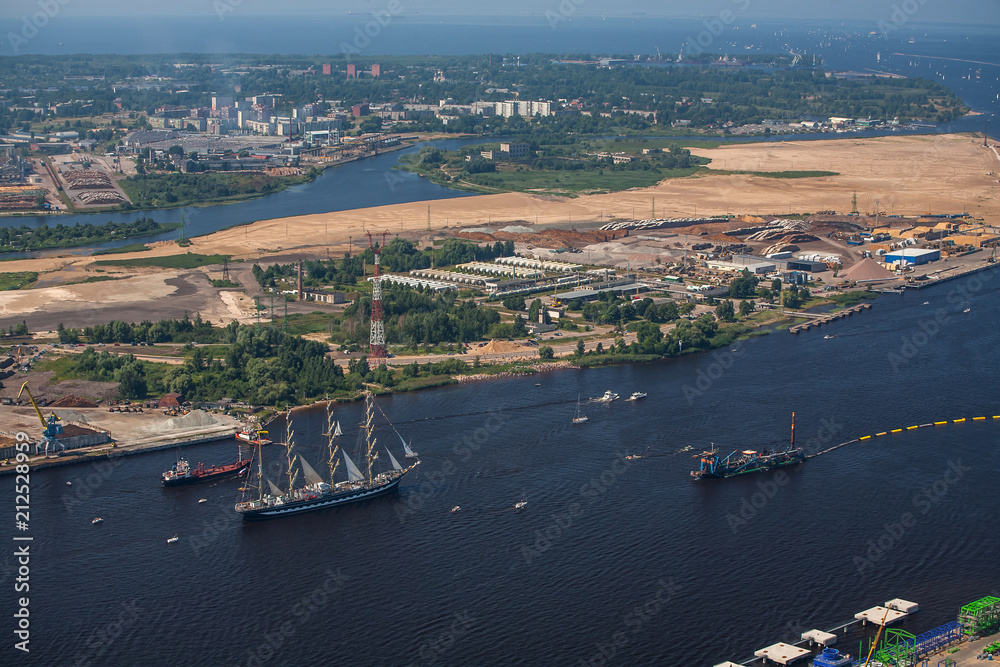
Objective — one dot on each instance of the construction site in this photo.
(967, 640)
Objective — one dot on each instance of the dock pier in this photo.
(819, 319)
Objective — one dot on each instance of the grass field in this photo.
(12, 281)
(132, 247)
(186, 261)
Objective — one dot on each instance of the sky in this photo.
(929, 11)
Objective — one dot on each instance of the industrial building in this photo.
(454, 277)
(553, 267)
(498, 270)
(432, 285)
(915, 256)
(756, 268)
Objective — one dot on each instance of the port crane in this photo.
(50, 427)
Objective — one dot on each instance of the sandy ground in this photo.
(147, 296)
(906, 175)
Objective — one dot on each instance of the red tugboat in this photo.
(182, 473)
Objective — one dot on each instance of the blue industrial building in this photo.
(913, 256)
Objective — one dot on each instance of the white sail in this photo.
(310, 474)
(337, 430)
(353, 473)
(395, 463)
(275, 491)
(406, 447)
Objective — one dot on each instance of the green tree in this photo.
(546, 352)
(747, 307)
(744, 286)
(580, 348)
(725, 311)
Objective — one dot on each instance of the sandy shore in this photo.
(908, 175)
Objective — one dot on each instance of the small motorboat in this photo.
(538, 384)
(926, 303)
(685, 449)
(967, 310)
(637, 396)
(607, 397)
(171, 540)
(455, 509)
(633, 457)
(69, 483)
(203, 500)
(522, 503)
(97, 520)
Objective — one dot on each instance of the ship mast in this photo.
(369, 440)
(289, 433)
(331, 433)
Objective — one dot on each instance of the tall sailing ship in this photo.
(316, 493)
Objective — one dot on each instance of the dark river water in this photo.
(610, 556)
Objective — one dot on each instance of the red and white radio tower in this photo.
(376, 344)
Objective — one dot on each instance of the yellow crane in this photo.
(50, 429)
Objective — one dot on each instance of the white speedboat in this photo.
(455, 509)
(637, 396)
(97, 520)
(607, 397)
(171, 540)
(203, 500)
(967, 310)
(522, 503)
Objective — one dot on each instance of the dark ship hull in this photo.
(713, 467)
(318, 502)
(202, 475)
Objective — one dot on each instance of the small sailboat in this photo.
(522, 503)
(407, 451)
(171, 540)
(97, 520)
(455, 509)
(579, 419)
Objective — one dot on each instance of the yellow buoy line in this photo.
(900, 430)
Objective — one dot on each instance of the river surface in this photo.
(629, 556)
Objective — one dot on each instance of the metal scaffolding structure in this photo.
(981, 617)
(376, 342)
